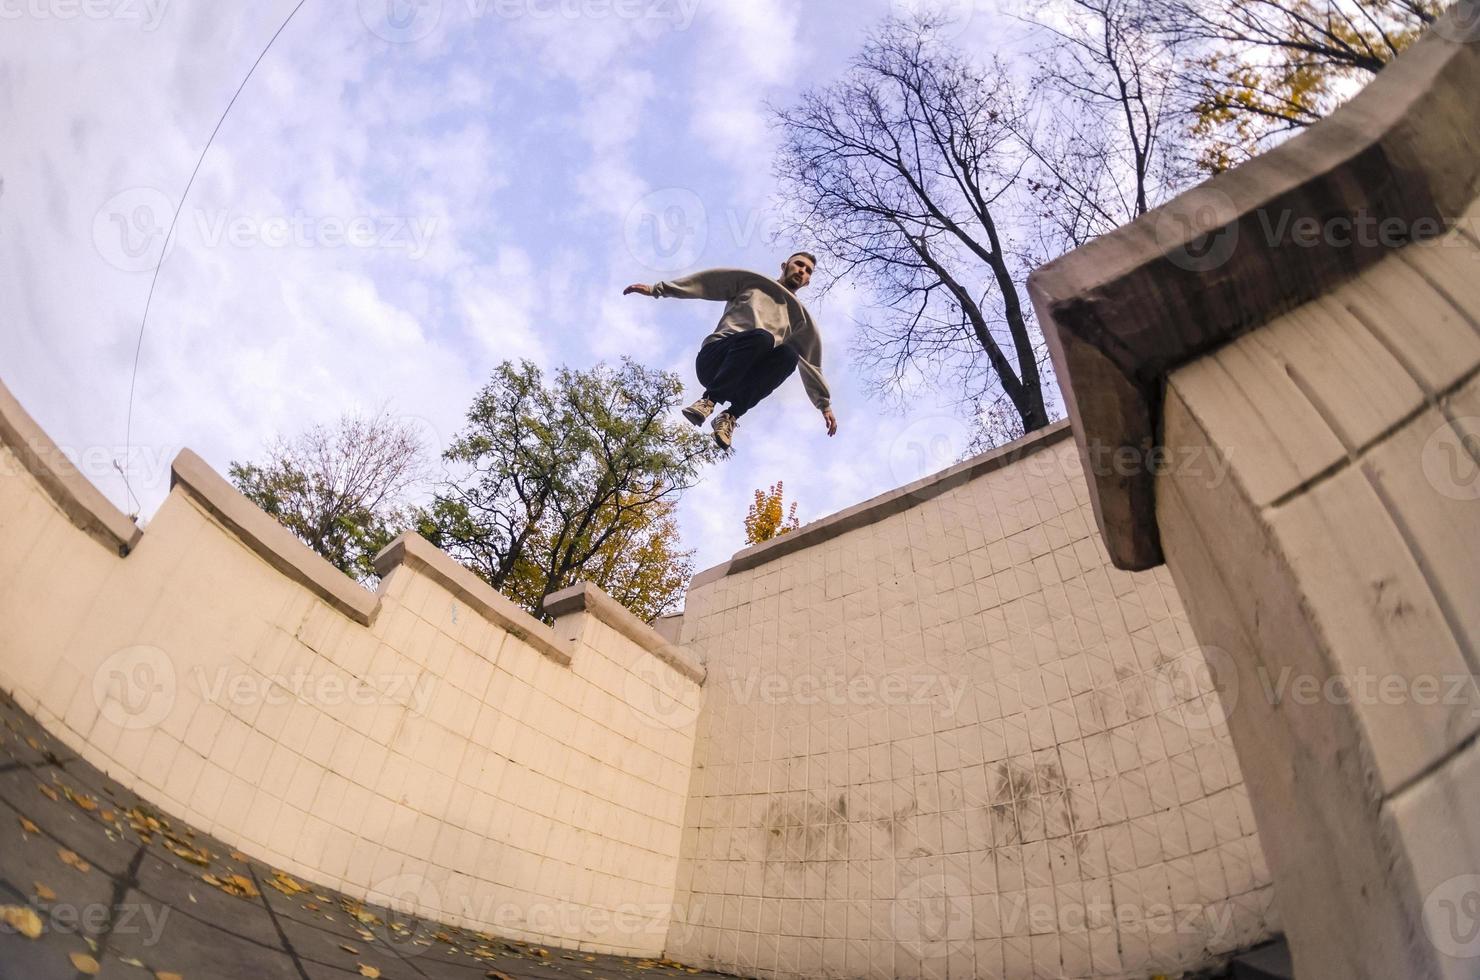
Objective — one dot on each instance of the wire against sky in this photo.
(149, 300)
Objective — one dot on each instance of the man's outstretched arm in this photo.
(717, 284)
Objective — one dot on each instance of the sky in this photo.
(404, 194)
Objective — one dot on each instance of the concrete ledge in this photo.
(274, 543)
(87, 508)
(414, 550)
(875, 509)
(585, 597)
(1123, 311)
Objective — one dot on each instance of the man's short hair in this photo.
(805, 255)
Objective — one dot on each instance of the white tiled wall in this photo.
(957, 742)
(473, 778)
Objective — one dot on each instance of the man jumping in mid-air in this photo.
(764, 335)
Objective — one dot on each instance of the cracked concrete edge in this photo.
(271, 541)
(82, 502)
(588, 598)
(875, 509)
(1121, 312)
(416, 551)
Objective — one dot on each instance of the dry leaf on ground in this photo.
(83, 963)
(47, 792)
(22, 919)
(44, 893)
(29, 827)
(71, 859)
(160, 975)
(369, 971)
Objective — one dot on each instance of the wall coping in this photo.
(82, 502)
(271, 541)
(586, 597)
(414, 550)
(884, 505)
(1123, 311)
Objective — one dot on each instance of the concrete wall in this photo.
(943, 736)
(1311, 323)
(429, 746)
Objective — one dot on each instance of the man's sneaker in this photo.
(699, 411)
(724, 429)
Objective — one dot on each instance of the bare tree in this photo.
(907, 172)
(341, 490)
(1105, 120)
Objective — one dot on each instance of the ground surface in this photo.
(106, 877)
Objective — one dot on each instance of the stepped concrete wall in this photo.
(1311, 321)
(429, 746)
(943, 736)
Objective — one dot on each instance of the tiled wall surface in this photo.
(957, 742)
(430, 759)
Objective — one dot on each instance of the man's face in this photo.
(797, 272)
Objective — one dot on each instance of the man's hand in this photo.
(832, 421)
(638, 287)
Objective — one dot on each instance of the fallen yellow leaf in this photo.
(84, 963)
(22, 919)
(29, 827)
(349, 949)
(496, 975)
(47, 792)
(44, 893)
(369, 971)
(130, 961)
(71, 859)
(159, 975)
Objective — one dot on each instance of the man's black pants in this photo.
(743, 368)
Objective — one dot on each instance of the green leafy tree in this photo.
(341, 490)
(571, 480)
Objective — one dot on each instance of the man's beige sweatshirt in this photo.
(753, 301)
